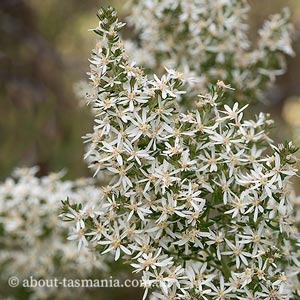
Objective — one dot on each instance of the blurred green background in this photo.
(45, 46)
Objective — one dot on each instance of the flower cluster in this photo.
(33, 238)
(198, 202)
(208, 41)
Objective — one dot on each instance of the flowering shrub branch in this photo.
(198, 202)
(208, 40)
(33, 238)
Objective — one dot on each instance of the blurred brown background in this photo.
(45, 46)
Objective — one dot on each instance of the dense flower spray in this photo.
(33, 238)
(208, 40)
(197, 202)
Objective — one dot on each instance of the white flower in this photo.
(80, 236)
(163, 86)
(115, 243)
(236, 250)
(147, 261)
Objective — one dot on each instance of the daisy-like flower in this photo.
(236, 250)
(163, 86)
(114, 242)
(147, 261)
(80, 236)
(220, 292)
